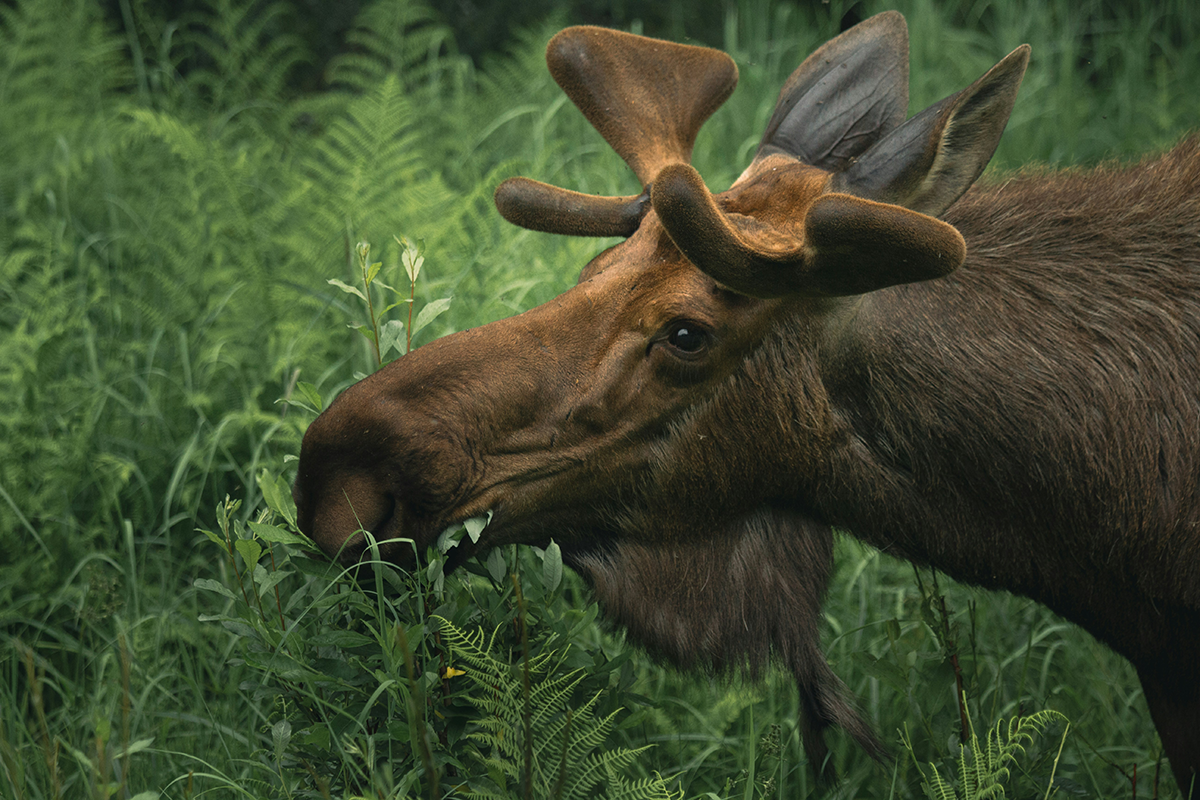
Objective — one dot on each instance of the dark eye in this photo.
(687, 337)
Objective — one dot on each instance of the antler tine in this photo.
(646, 97)
(840, 232)
(549, 209)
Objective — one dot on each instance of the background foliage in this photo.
(177, 185)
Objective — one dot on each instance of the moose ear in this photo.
(845, 96)
(932, 159)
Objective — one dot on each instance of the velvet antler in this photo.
(875, 226)
(646, 97)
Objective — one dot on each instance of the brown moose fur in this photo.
(1028, 422)
(733, 601)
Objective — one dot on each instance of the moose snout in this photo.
(343, 516)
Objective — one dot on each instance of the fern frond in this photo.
(984, 767)
(567, 739)
(60, 67)
(367, 178)
(394, 37)
(646, 789)
(237, 55)
(598, 767)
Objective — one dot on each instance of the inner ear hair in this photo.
(929, 162)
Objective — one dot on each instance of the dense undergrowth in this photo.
(166, 242)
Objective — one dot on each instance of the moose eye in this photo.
(688, 338)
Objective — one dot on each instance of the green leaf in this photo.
(496, 565)
(250, 550)
(271, 533)
(213, 586)
(136, 747)
(435, 573)
(278, 496)
(318, 737)
(432, 310)
(348, 289)
(475, 526)
(552, 566)
(281, 734)
(340, 639)
(391, 335)
(411, 256)
(372, 271)
(214, 538)
(449, 538)
(267, 579)
(589, 616)
(311, 395)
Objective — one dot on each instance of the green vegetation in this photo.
(984, 766)
(171, 213)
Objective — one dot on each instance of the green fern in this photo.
(985, 767)
(365, 176)
(236, 54)
(397, 37)
(566, 737)
(58, 67)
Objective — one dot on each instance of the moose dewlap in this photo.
(1000, 382)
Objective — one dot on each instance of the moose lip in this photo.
(401, 540)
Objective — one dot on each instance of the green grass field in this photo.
(171, 212)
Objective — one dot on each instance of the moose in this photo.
(999, 381)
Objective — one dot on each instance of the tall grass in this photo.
(166, 238)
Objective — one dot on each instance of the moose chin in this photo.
(1001, 382)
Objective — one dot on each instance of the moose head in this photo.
(645, 402)
(667, 420)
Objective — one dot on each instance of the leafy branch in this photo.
(385, 336)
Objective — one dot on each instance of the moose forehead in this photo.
(769, 199)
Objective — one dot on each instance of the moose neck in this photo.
(1021, 382)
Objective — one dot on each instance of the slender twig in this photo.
(1057, 755)
(525, 690)
(364, 265)
(126, 708)
(952, 648)
(412, 294)
(278, 599)
(49, 748)
(416, 719)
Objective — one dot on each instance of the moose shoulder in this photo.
(1001, 383)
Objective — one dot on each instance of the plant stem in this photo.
(525, 690)
(1054, 769)
(416, 720)
(412, 294)
(364, 263)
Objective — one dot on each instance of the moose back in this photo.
(1001, 382)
